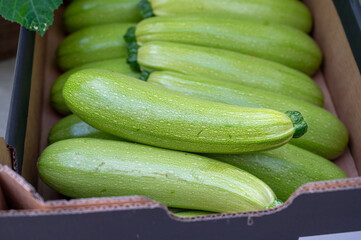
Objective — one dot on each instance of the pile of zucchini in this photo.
(201, 105)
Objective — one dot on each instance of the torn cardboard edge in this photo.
(7, 155)
(26, 201)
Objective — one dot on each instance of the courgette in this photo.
(56, 95)
(228, 66)
(326, 135)
(92, 44)
(285, 169)
(281, 44)
(291, 13)
(82, 168)
(73, 127)
(85, 13)
(142, 112)
(190, 214)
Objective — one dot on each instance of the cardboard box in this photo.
(36, 210)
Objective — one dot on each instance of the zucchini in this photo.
(92, 44)
(56, 95)
(83, 168)
(229, 66)
(326, 135)
(73, 127)
(285, 169)
(264, 40)
(86, 13)
(190, 214)
(290, 13)
(142, 112)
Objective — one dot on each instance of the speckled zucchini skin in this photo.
(92, 44)
(82, 168)
(229, 66)
(285, 169)
(85, 13)
(281, 44)
(56, 96)
(326, 135)
(73, 127)
(290, 13)
(149, 114)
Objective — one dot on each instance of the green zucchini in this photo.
(86, 13)
(281, 44)
(56, 96)
(92, 44)
(82, 168)
(290, 13)
(326, 135)
(73, 127)
(142, 112)
(229, 66)
(285, 169)
(190, 214)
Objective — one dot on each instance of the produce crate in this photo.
(330, 207)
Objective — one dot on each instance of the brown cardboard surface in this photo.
(33, 123)
(5, 155)
(42, 117)
(19, 193)
(342, 76)
(49, 117)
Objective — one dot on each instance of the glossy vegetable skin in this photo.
(285, 169)
(290, 13)
(85, 13)
(56, 95)
(149, 114)
(281, 44)
(73, 127)
(229, 66)
(326, 135)
(83, 168)
(92, 44)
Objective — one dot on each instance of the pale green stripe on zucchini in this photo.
(73, 127)
(326, 135)
(149, 114)
(85, 13)
(56, 96)
(285, 169)
(92, 44)
(281, 44)
(229, 66)
(290, 13)
(82, 168)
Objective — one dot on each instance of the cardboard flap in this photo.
(7, 155)
(18, 193)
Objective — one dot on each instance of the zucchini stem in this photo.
(144, 75)
(132, 48)
(299, 123)
(145, 9)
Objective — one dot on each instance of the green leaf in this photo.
(35, 15)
